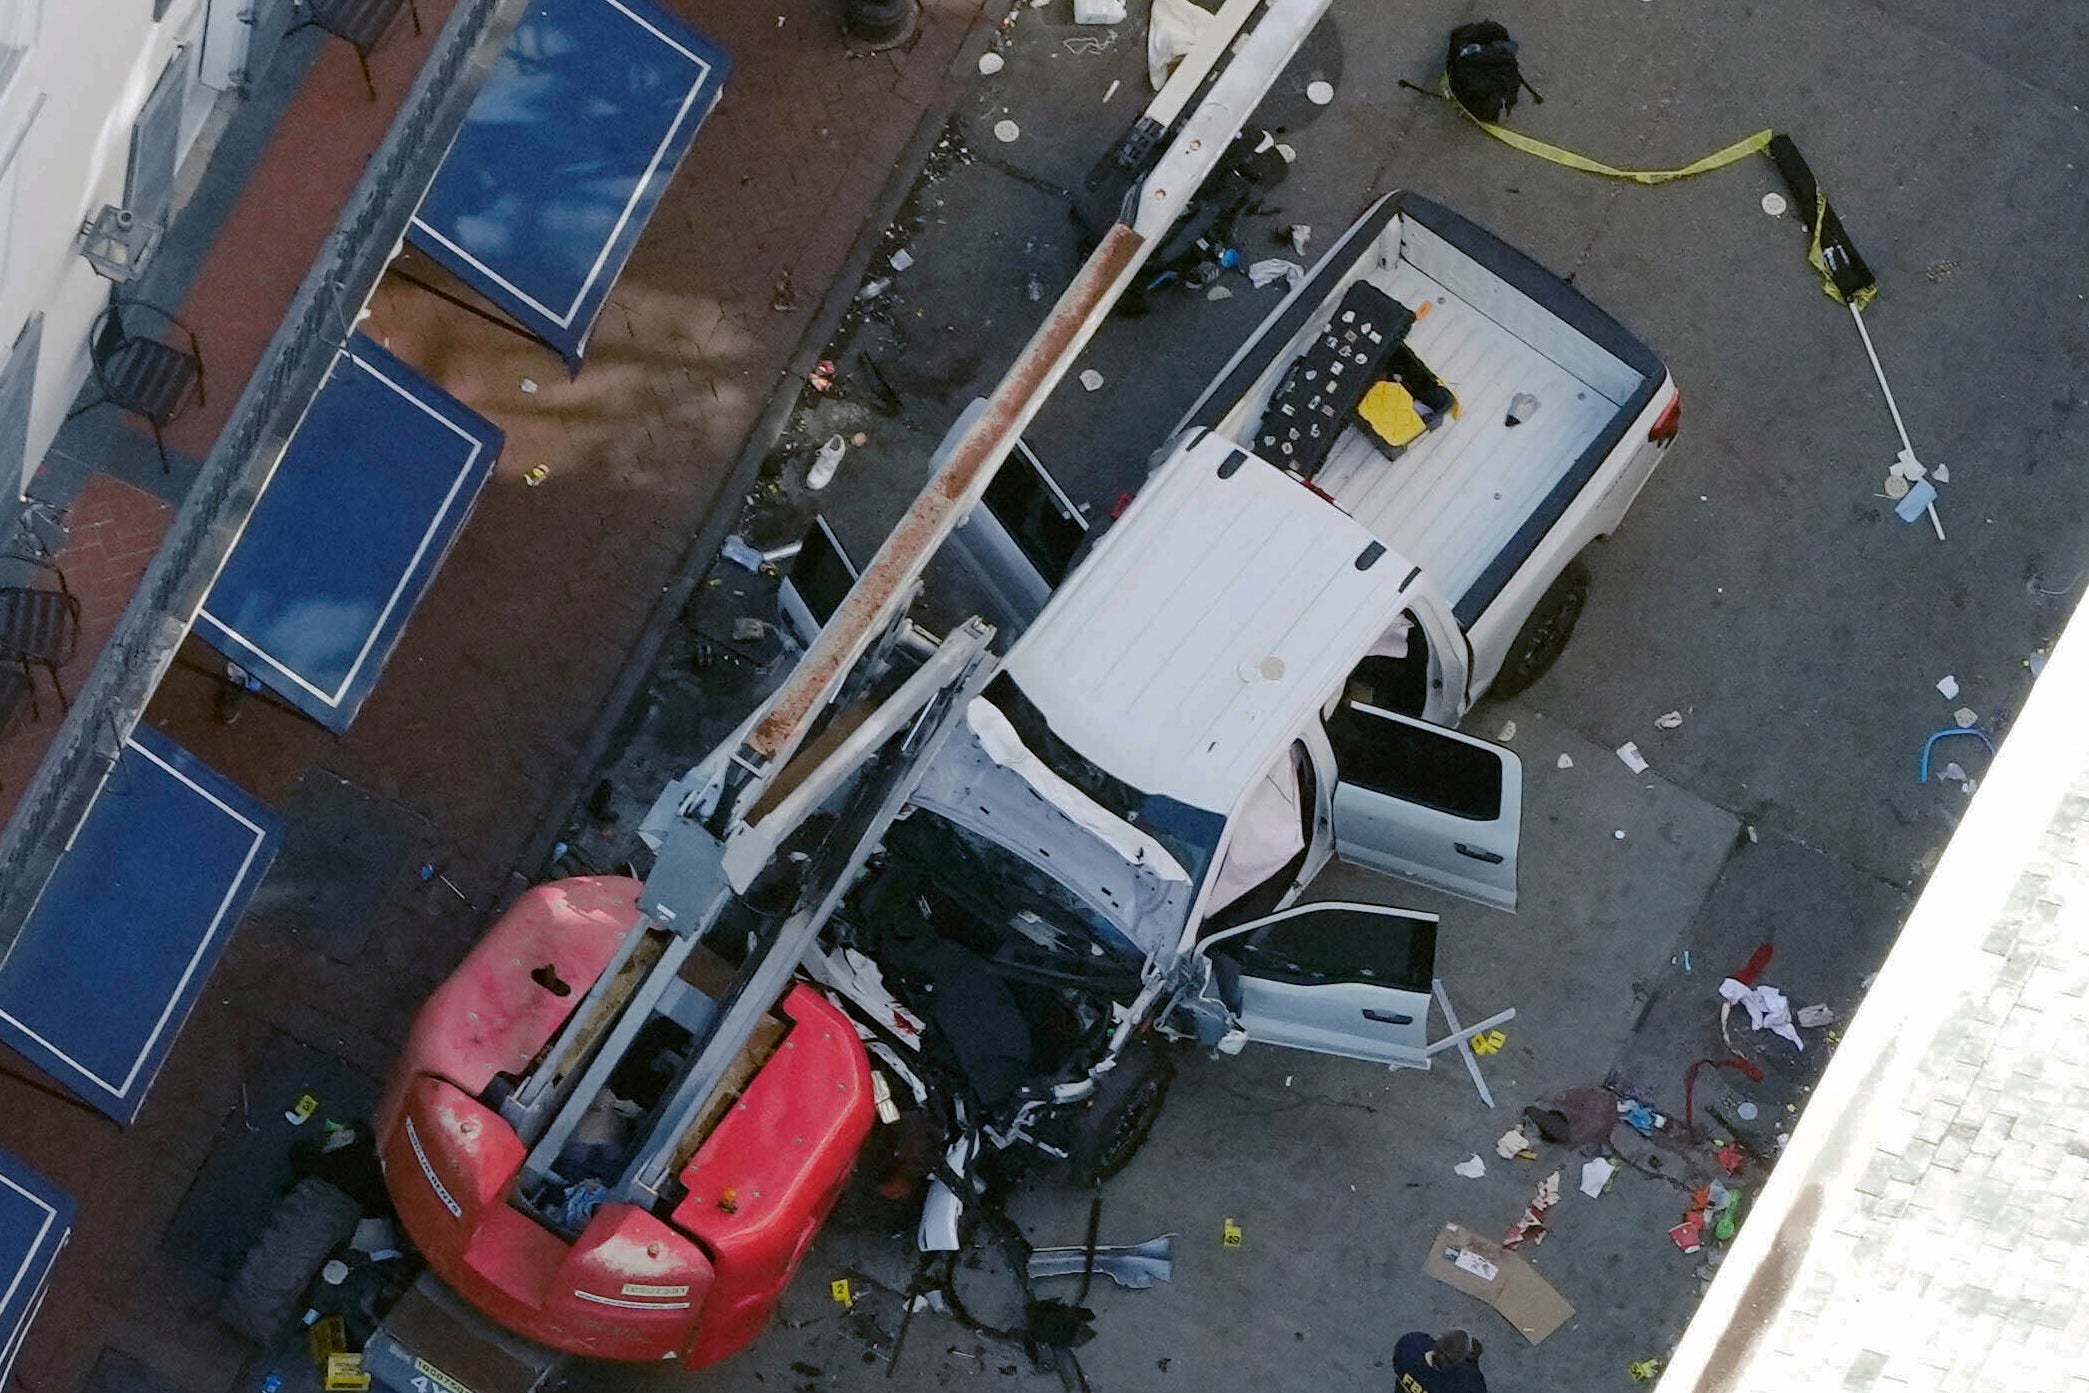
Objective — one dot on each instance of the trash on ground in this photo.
(1111, 90)
(1767, 1009)
(1320, 92)
(1619, 834)
(1730, 1157)
(1954, 773)
(1774, 204)
(826, 462)
(1091, 379)
(873, 289)
(1172, 30)
(1644, 1369)
(536, 474)
(902, 259)
(1098, 11)
(1466, 1262)
(1813, 1017)
(1298, 234)
(1512, 1145)
(529, 385)
(1566, 761)
(1596, 1174)
(1922, 769)
(859, 438)
(1133, 1266)
(1965, 717)
(1629, 752)
(1947, 686)
(1668, 721)
(1920, 495)
(1508, 732)
(1640, 1118)
(737, 550)
(991, 63)
(1578, 1117)
(1270, 270)
(1218, 292)
(821, 378)
(1531, 1223)
(1006, 131)
(1522, 407)
(1472, 1168)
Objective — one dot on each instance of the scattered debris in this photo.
(1531, 1223)
(1938, 270)
(1007, 131)
(1472, 1168)
(1669, 721)
(1596, 1174)
(1466, 1262)
(1640, 1118)
(1098, 11)
(1920, 499)
(1512, 1145)
(1297, 234)
(1767, 1009)
(737, 550)
(859, 438)
(1134, 1266)
(1922, 772)
(825, 463)
(1774, 204)
(991, 63)
(1172, 30)
(873, 289)
(1813, 1017)
(1566, 761)
(1947, 686)
(1619, 834)
(1111, 90)
(1320, 92)
(1578, 1117)
(1954, 773)
(536, 474)
(1965, 717)
(1629, 752)
(1644, 1369)
(902, 259)
(822, 378)
(1508, 732)
(1218, 292)
(1522, 407)
(1033, 289)
(1091, 379)
(529, 385)
(1273, 269)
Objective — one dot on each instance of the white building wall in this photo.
(80, 71)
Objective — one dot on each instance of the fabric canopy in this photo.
(563, 157)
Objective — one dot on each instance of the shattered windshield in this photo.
(1189, 834)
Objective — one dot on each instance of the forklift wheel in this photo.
(310, 1222)
(1120, 1117)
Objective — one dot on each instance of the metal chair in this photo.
(140, 366)
(41, 627)
(362, 23)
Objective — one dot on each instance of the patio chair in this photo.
(146, 362)
(41, 627)
(361, 23)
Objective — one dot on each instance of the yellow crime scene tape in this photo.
(1718, 159)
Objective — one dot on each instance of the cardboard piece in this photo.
(1461, 1259)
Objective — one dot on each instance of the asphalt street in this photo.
(1762, 588)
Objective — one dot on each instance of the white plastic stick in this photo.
(1891, 405)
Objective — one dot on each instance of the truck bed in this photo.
(1468, 500)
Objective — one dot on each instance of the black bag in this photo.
(1481, 68)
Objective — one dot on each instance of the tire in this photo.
(1544, 634)
(310, 1222)
(1120, 1117)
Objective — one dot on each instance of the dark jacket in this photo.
(1412, 1374)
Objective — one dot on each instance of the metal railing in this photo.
(318, 321)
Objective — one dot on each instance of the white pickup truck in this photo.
(1046, 863)
(1494, 514)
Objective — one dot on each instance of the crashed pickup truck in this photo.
(1476, 414)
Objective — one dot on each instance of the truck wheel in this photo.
(311, 1221)
(1544, 635)
(1120, 1117)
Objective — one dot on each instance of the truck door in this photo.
(1019, 543)
(1335, 978)
(1426, 804)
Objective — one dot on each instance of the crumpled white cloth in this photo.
(1276, 268)
(1767, 1009)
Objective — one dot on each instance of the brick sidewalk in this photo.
(478, 721)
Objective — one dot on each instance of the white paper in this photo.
(1595, 1175)
(1472, 1262)
(1471, 1169)
(1947, 686)
(1629, 752)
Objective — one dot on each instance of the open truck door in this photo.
(1426, 804)
(1334, 977)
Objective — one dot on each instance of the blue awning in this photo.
(563, 156)
(132, 921)
(36, 1217)
(376, 481)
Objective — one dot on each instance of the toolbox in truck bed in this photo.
(1313, 404)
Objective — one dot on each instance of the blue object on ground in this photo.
(1931, 744)
(1916, 501)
